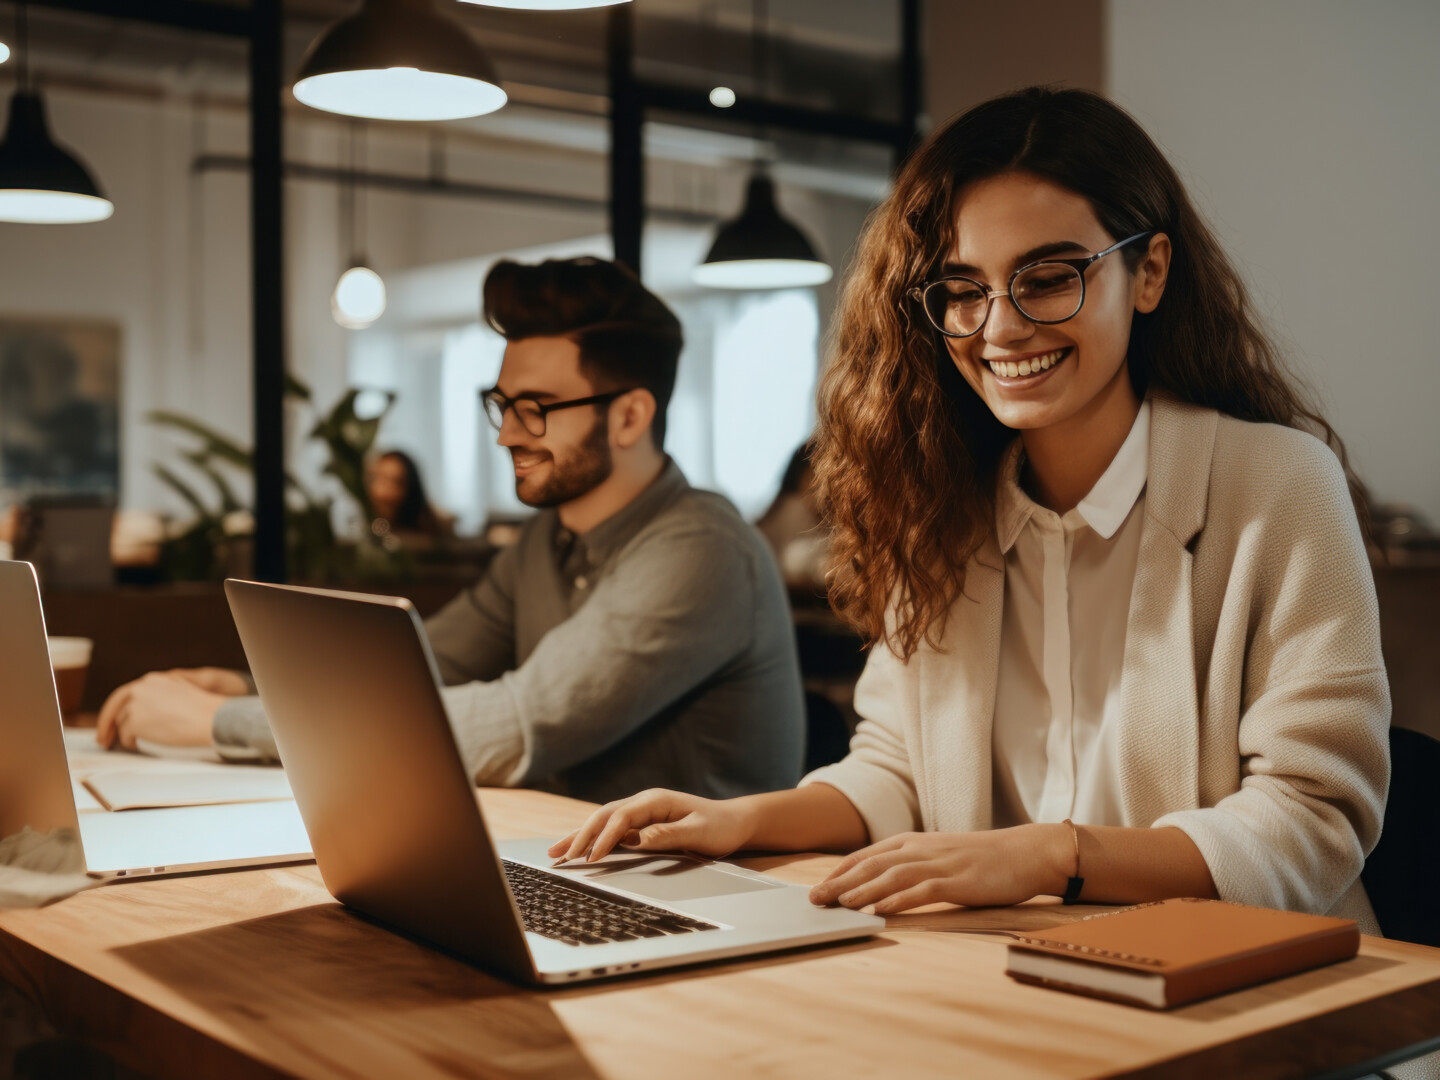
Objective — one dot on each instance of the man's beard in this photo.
(581, 471)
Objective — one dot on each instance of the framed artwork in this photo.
(59, 407)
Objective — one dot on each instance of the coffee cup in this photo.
(70, 657)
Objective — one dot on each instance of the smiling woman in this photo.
(1125, 642)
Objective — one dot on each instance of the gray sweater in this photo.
(654, 651)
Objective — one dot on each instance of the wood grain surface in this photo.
(261, 973)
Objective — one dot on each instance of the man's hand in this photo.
(171, 707)
(216, 680)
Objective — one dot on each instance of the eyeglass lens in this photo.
(1044, 293)
(527, 411)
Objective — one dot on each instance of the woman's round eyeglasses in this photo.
(532, 413)
(1048, 291)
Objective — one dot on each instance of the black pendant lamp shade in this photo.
(761, 249)
(398, 60)
(40, 181)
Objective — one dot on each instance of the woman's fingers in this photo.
(893, 880)
(582, 837)
(855, 858)
(607, 826)
(862, 870)
(929, 891)
(639, 812)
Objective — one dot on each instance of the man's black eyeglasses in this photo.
(532, 413)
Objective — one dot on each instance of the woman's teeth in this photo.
(1033, 366)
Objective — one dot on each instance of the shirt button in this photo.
(582, 582)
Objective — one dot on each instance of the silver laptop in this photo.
(35, 786)
(351, 690)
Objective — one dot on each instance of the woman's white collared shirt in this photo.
(1068, 580)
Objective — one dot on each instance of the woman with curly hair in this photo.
(1125, 638)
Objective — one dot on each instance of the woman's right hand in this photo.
(659, 820)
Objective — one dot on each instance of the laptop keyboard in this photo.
(557, 908)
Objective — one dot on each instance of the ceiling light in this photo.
(398, 60)
(359, 298)
(722, 97)
(760, 249)
(546, 5)
(41, 182)
(4, 52)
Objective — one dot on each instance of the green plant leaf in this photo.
(294, 388)
(214, 443)
(186, 492)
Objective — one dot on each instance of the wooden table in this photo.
(261, 973)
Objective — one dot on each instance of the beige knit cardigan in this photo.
(1254, 704)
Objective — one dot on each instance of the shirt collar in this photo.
(1114, 494)
(603, 541)
(1107, 504)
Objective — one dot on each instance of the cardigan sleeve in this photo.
(1315, 702)
(877, 776)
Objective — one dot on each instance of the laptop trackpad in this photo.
(666, 878)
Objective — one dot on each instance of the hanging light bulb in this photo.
(398, 60)
(40, 181)
(761, 249)
(546, 5)
(359, 298)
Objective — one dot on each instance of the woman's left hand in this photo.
(978, 869)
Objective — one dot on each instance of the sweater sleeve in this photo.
(1315, 709)
(672, 613)
(877, 776)
(473, 636)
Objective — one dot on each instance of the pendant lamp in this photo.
(359, 296)
(40, 181)
(398, 60)
(761, 249)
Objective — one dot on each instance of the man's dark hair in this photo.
(627, 336)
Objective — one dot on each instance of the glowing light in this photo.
(722, 97)
(359, 298)
(4, 52)
(52, 207)
(399, 93)
(762, 274)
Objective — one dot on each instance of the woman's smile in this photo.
(1026, 368)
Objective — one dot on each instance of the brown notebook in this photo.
(1176, 951)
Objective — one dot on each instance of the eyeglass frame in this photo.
(917, 292)
(545, 408)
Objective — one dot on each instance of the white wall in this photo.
(1309, 131)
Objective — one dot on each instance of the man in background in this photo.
(636, 635)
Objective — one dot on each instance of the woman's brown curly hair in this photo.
(906, 452)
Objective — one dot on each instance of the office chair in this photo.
(1402, 874)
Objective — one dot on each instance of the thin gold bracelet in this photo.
(1076, 882)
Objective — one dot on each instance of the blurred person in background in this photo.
(793, 527)
(636, 634)
(399, 504)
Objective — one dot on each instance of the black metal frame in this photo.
(631, 98)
